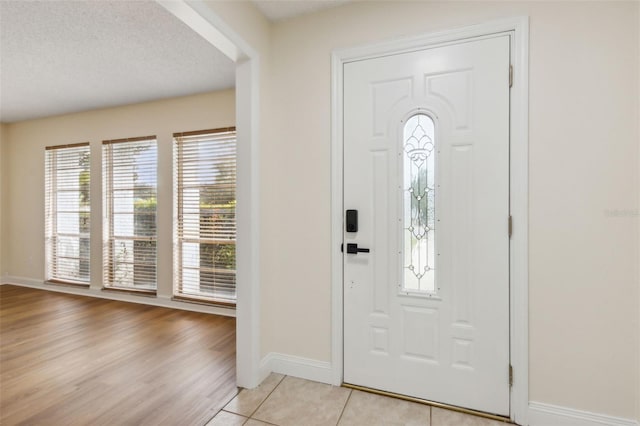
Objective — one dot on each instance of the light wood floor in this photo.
(73, 360)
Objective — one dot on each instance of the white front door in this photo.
(426, 166)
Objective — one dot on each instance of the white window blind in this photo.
(129, 172)
(67, 213)
(205, 216)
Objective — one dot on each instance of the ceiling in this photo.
(59, 57)
(278, 10)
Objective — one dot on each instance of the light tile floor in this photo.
(289, 401)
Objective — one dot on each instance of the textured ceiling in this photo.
(59, 57)
(278, 10)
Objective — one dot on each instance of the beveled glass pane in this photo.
(419, 204)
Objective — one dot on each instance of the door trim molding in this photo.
(518, 27)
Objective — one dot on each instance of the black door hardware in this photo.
(353, 249)
(352, 220)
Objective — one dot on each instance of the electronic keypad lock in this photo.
(352, 220)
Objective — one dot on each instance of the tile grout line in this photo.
(246, 419)
(345, 406)
(267, 397)
(222, 409)
(228, 412)
(261, 421)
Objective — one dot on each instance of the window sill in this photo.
(204, 301)
(65, 283)
(136, 291)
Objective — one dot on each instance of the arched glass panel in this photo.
(419, 204)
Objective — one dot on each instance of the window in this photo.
(419, 204)
(205, 215)
(67, 213)
(129, 172)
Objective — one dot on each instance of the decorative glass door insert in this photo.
(418, 221)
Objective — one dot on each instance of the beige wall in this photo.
(584, 283)
(3, 143)
(23, 210)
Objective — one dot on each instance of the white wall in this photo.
(584, 280)
(23, 206)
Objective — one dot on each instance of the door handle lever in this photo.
(353, 249)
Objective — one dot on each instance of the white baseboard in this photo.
(541, 414)
(304, 368)
(161, 301)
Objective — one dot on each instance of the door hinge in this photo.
(510, 76)
(510, 226)
(342, 248)
(510, 375)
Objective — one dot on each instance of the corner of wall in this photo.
(3, 152)
(304, 368)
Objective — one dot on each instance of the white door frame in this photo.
(518, 192)
(204, 21)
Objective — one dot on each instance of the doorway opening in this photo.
(204, 21)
